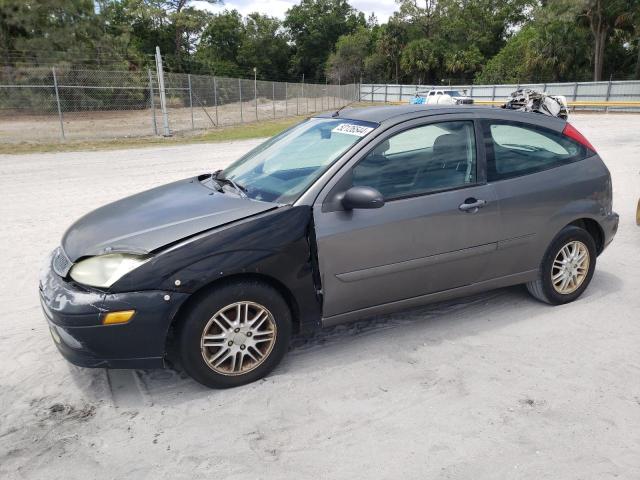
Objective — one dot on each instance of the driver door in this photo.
(423, 240)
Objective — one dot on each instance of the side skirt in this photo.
(399, 305)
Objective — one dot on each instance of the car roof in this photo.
(380, 114)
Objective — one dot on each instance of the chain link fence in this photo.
(42, 104)
(596, 96)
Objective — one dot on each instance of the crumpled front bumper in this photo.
(75, 318)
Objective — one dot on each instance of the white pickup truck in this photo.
(441, 97)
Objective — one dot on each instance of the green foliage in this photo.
(315, 26)
(346, 64)
(421, 59)
(430, 41)
(265, 46)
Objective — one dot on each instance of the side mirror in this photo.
(362, 197)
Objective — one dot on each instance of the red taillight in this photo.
(571, 132)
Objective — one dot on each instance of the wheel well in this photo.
(594, 229)
(205, 289)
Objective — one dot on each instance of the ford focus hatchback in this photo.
(346, 215)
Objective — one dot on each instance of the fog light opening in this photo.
(115, 318)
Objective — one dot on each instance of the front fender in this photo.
(275, 245)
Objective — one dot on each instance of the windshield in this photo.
(281, 169)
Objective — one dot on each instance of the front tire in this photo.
(234, 335)
(567, 267)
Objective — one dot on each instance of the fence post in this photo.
(153, 103)
(55, 86)
(315, 97)
(400, 95)
(255, 94)
(493, 94)
(286, 99)
(298, 102)
(193, 126)
(606, 109)
(163, 98)
(215, 99)
(273, 100)
(240, 95)
(303, 91)
(575, 91)
(326, 92)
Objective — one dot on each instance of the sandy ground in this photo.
(493, 386)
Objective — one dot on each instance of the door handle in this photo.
(472, 205)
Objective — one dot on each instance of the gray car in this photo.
(346, 215)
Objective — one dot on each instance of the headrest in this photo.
(449, 142)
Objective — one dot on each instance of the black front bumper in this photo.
(75, 318)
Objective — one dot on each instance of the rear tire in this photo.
(235, 335)
(567, 267)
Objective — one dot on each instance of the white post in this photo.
(255, 89)
(193, 126)
(240, 95)
(273, 98)
(215, 99)
(163, 98)
(55, 86)
(153, 103)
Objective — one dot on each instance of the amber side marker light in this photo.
(114, 318)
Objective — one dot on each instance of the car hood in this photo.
(150, 220)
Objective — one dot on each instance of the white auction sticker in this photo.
(352, 129)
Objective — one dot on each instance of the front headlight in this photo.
(105, 270)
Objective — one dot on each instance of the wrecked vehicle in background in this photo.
(528, 100)
(441, 97)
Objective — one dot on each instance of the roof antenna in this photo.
(337, 112)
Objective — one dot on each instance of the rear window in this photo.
(519, 149)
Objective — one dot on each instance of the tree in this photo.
(513, 63)
(393, 39)
(347, 62)
(222, 38)
(420, 13)
(56, 30)
(264, 46)
(603, 16)
(184, 18)
(314, 27)
(420, 59)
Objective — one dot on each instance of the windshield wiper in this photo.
(223, 180)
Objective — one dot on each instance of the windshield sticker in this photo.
(352, 129)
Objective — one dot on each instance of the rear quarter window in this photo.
(518, 149)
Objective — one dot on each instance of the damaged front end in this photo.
(528, 100)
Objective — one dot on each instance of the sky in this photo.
(277, 8)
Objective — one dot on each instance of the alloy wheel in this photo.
(570, 267)
(238, 338)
